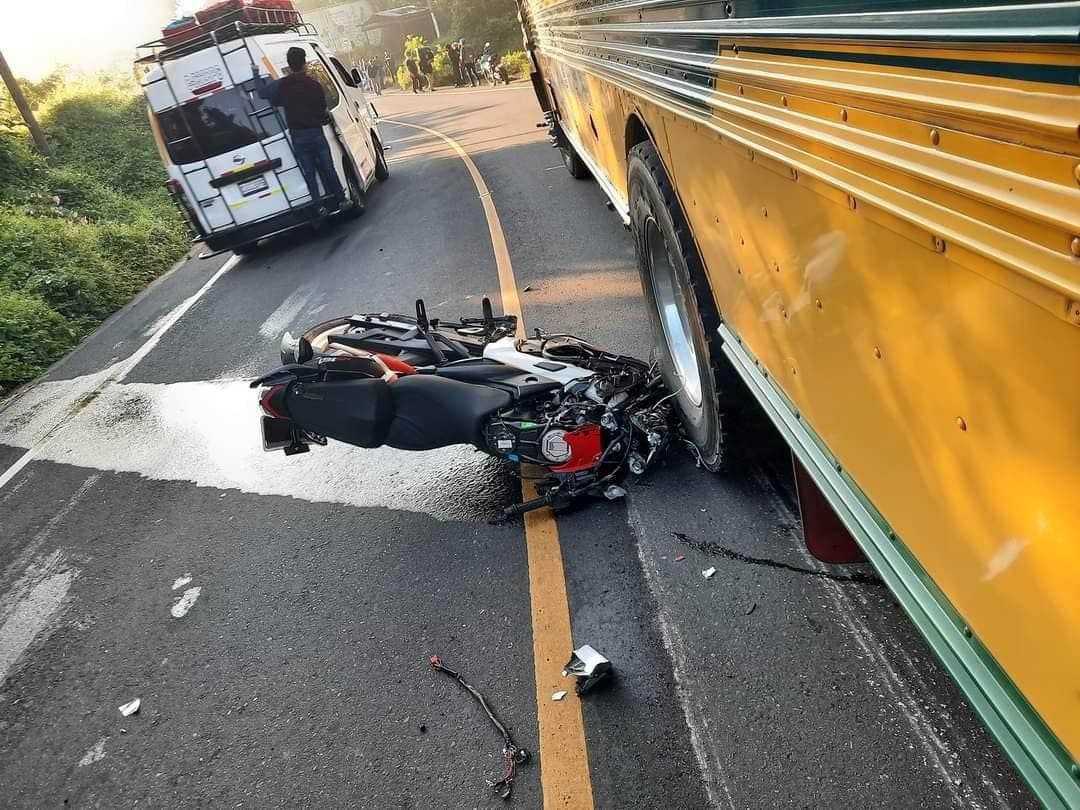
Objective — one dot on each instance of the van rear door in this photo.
(227, 141)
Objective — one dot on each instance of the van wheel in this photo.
(382, 171)
(357, 195)
(681, 308)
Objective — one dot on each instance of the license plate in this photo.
(249, 187)
(277, 433)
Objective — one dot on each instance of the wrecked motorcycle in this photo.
(585, 417)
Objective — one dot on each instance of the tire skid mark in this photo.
(702, 741)
(904, 687)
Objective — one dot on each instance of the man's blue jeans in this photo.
(313, 154)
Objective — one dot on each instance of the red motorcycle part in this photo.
(392, 363)
(272, 401)
(586, 448)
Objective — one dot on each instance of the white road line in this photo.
(30, 551)
(119, 372)
(40, 593)
(702, 740)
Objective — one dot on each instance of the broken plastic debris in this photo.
(558, 695)
(588, 666)
(129, 709)
(750, 609)
(527, 288)
(680, 558)
(708, 573)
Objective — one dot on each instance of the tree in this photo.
(480, 21)
(23, 106)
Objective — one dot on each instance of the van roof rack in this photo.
(159, 50)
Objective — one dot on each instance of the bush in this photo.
(32, 335)
(517, 64)
(84, 232)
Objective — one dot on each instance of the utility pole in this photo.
(24, 109)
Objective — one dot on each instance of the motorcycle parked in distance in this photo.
(585, 417)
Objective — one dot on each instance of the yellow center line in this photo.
(564, 757)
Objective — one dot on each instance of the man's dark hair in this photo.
(296, 59)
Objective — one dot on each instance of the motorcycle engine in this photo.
(594, 431)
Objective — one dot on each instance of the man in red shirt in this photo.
(304, 102)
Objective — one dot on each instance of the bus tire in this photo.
(681, 309)
(573, 162)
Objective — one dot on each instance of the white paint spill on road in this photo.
(702, 740)
(31, 605)
(181, 582)
(95, 754)
(28, 418)
(114, 374)
(186, 602)
(286, 314)
(214, 441)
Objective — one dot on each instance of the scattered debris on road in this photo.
(558, 695)
(95, 754)
(527, 288)
(709, 572)
(131, 708)
(752, 608)
(181, 582)
(588, 666)
(180, 609)
(680, 558)
(513, 755)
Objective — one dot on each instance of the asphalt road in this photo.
(299, 675)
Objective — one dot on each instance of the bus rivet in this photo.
(877, 352)
(783, 100)
(1072, 311)
(843, 115)
(776, 266)
(1076, 769)
(939, 244)
(1074, 246)
(852, 203)
(1076, 172)
(818, 304)
(967, 631)
(794, 373)
(960, 423)
(764, 212)
(935, 137)
(742, 92)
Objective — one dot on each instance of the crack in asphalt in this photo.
(716, 550)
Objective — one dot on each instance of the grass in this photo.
(83, 232)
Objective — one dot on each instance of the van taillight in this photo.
(272, 401)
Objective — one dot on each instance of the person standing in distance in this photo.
(304, 102)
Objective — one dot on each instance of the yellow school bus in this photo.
(869, 213)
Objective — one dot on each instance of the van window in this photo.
(218, 123)
(342, 72)
(318, 72)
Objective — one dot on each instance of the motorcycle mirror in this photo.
(294, 349)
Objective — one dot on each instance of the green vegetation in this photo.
(82, 233)
(516, 62)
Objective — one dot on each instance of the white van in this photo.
(230, 162)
